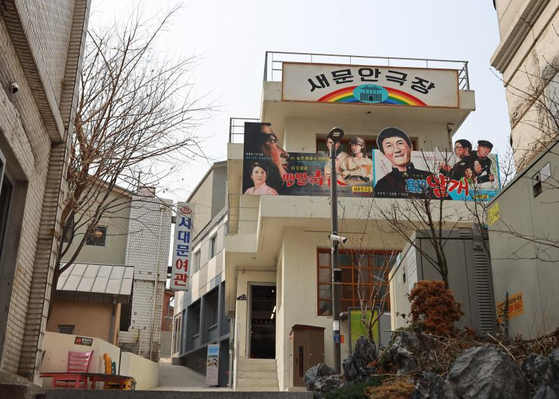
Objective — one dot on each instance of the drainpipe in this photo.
(155, 281)
(113, 322)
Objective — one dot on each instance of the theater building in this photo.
(276, 255)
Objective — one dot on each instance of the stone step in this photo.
(246, 364)
(257, 382)
(265, 374)
(259, 389)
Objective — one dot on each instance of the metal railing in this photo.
(237, 129)
(274, 62)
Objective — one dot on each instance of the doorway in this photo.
(262, 322)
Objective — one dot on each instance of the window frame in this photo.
(354, 300)
(213, 246)
(95, 241)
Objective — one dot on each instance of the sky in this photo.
(229, 40)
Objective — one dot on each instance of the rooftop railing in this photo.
(274, 62)
(237, 129)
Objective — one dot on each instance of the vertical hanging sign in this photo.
(181, 247)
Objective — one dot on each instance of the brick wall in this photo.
(40, 49)
(148, 251)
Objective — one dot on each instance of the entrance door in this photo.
(263, 321)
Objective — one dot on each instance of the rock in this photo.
(486, 373)
(535, 368)
(401, 352)
(545, 392)
(356, 366)
(432, 386)
(322, 379)
(543, 372)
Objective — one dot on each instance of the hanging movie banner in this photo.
(393, 170)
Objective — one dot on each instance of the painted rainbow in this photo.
(395, 97)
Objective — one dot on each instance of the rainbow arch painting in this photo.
(395, 97)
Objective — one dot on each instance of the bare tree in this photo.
(134, 124)
(426, 211)
(372, 285)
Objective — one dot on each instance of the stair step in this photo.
(257, 382)
(265, 374)
(245, 364)
(257, 389)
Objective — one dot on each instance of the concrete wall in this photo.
(91, 319)
(114, 251)
(524, 248)
(527, 57)
(145, 372)
(56, 347)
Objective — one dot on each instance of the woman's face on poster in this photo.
(258, 175)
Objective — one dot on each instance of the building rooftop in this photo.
(97, 279)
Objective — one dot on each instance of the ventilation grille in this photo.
(484, 292)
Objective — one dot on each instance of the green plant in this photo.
(434, 307)
(355, 391)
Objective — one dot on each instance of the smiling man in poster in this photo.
(404, 178)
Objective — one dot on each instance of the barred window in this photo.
(364, 277)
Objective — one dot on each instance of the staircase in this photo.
(257, 375)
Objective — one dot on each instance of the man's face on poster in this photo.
(330, 143)
(483, 151)
(397, 150)
(460, 151)
(271, 147)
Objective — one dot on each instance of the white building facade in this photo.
(277, 254)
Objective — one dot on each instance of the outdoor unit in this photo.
(469, 277)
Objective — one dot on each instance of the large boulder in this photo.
(321, 379)
(356, 366)
(486, 373)
(401, 352)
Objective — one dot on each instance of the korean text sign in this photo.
(387, 86)
(182, 246)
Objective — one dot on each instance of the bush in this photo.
(434, 307)
(355, 391)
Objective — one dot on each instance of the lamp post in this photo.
(335, 135)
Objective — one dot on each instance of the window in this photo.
(65, 329)
(213, 245)
(196, 262)
(363, 274)
(69, 231)
(177, 334)
(537, 184)
(98, 237)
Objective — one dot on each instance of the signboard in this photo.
(380, 85)
(83, 341)
(392, 171)
(358, 327)
(493, 214)
(181, 247)
(212, 365)
(516, 307)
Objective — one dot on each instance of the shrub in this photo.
(433, 305)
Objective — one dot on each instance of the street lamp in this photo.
(335, 135)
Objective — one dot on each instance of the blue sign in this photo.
(371, 94)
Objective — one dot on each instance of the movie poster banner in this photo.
(393, 170)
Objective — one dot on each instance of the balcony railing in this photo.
(237, 129)
(274, 62)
